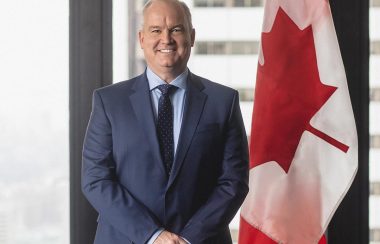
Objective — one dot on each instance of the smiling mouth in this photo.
(166, 50)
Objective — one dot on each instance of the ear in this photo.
(192, 37)
(141, 39)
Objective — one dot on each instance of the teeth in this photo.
(166, 50)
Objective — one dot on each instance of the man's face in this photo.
(166, 38)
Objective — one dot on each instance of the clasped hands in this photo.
(167, 237)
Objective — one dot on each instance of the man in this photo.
(165, 155)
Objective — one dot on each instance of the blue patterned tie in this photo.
(165, 126)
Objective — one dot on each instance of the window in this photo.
(34, 157)
(227, 47)
(228, 3)
(246, 94)
(375, 47)
(374, 235)
(247, 3)
(209, 3)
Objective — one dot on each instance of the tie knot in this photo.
(166, 89)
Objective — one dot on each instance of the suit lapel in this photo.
(142, 107)
(194, 103)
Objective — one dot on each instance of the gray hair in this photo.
(183, 5)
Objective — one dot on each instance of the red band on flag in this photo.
(250, 235)
(327, 138)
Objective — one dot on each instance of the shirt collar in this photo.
(154, 80)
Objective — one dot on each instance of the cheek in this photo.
(186, 48)
(150, 43)
(183, 43)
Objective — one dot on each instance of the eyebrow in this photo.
(176, 26)
(159, 27)
(154, 27)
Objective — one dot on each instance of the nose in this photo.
(166, 37)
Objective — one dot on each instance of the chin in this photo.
(167, 65)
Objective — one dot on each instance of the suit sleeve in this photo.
(232, 187)
(100, 185)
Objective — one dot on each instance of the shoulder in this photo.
(212, 88)
(121, 88)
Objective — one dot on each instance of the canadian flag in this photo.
(303, 150)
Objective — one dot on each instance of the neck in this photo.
(167, 75)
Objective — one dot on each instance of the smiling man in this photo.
(165, 155)
(167, 37)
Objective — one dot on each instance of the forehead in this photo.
(160, 12)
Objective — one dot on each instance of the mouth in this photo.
(166, 50)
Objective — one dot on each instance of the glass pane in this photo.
(34, 159)
(200, 3)
(239, 3)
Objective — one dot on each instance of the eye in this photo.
(177, 29)
(155, 31)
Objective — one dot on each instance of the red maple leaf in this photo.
(288, 94)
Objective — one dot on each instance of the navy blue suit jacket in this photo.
(124, 178)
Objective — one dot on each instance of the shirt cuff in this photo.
(185, 240)
(155, 235)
